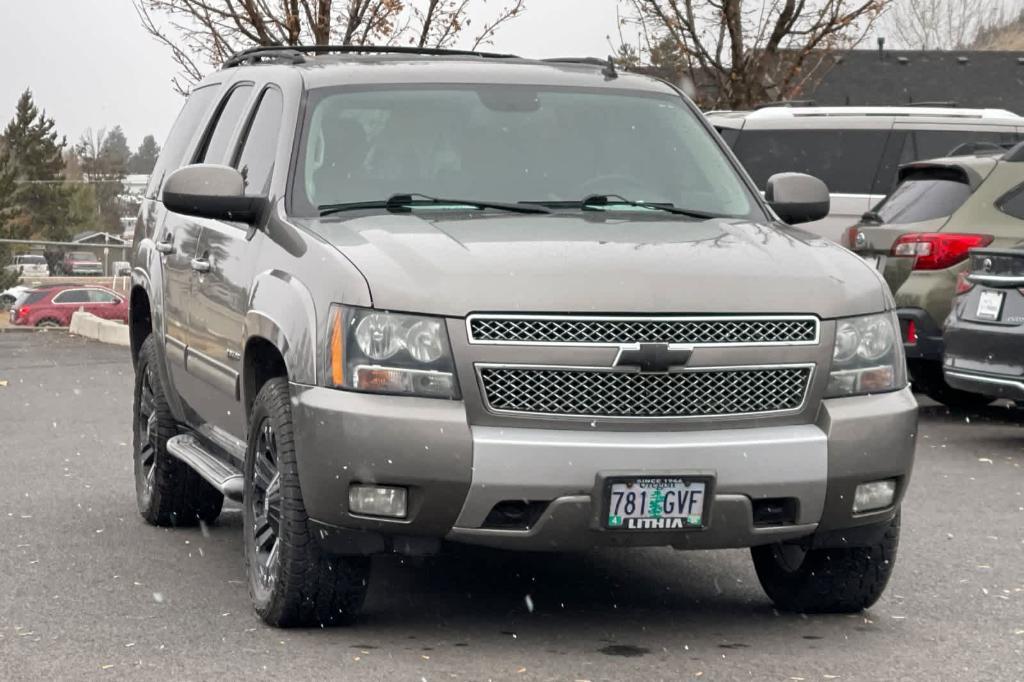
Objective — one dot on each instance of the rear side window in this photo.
(72, 296)
(846, 160)
(924, 197)
(920, 145)
(31, 297)
(215, 150)
(730, 135)
(1012, 203)
(256, 162)
(97, 296)
(184, 128)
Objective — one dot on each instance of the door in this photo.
(225, 258)
(844, 154)
(179, 239)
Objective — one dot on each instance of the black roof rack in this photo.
(938, 103)
(607, 65)
(296, 54)
(976, 147)
(787, 103)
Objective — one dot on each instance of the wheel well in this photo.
(140, 320)
(263, 361)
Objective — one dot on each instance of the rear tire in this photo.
(843, 580)
(168, 491)
(292, 581)
(48, 322)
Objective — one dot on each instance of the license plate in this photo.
(990, 305)
(657, 503)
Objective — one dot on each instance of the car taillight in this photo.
(963, 285)
(23, 312)
(911, 333)
(937, 250)
(849, 238)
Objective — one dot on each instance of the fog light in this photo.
(372, 500)
(875, 495)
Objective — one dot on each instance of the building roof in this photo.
(975, 79)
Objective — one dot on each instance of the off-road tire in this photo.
(168, 491)
(845, 580)
(301, 585)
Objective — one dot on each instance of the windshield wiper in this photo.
(596, 202)
(398, 203)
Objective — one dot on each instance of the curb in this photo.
(26, 330)
(105, 331)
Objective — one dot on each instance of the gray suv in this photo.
(386, 298)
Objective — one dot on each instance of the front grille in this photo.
(617, 331)
(603, 393)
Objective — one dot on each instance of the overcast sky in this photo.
(90, 64)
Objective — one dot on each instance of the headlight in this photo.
(382, 352)
(868, 356)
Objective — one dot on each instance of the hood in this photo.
(457, 264)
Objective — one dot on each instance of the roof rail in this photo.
(296, 54)
(787, 103)
(936, 103)
(608, 67)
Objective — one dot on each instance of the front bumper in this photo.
(457, 473)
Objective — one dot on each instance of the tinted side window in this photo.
(846, 160)
(174, 149)
(256, 161)
(921, 145)
(923, 198)
(1012, 203)
(215, 149)
(97, 296)
(72, 296)
(730, 135)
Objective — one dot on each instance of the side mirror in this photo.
(797, 198)
(207, 190)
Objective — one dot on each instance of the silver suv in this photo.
(386, 298)
(857, 151)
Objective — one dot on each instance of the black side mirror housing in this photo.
(207, 190)
(797, 197)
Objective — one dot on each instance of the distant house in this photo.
(98, 238)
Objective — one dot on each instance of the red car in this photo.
(54, 305)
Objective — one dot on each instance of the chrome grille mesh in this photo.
(611, 331)
(602, 393)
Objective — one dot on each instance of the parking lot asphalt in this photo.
(89, 591)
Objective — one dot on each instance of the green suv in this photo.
(919, 238)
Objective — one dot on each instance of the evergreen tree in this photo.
(104, 160)
(144, 159)
(34, 157)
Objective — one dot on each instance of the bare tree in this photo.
(940, 24)
(740, 53)
(203, 33)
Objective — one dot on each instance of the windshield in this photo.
(511, 144)
(82, 255)
(30, 260)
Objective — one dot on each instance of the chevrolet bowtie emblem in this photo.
(653, 357)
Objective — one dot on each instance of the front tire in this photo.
(168, 491)
(833, 580)
(292, 581)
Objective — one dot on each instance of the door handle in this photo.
(166, 245)
(200, 265)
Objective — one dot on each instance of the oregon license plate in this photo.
(657, 503)
(990, 305)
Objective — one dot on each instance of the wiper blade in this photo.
(603, 201)
(399, 203)
(872, 217)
